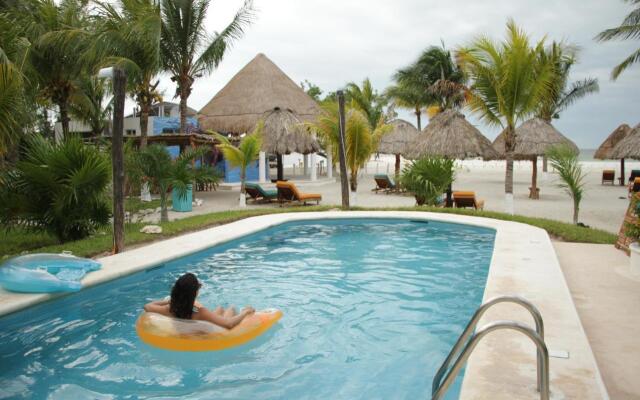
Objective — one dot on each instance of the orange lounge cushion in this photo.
(464, 194)
(309, 196)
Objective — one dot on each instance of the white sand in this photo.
(602, 206)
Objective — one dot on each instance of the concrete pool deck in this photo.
(502, 366)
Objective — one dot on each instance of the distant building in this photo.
(164, 118)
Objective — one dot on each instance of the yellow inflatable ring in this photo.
(188, 335)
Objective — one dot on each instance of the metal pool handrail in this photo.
(543, 369)
(468, 330)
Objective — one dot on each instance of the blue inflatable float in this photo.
(45, 273)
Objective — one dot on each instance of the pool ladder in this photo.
(465, 345)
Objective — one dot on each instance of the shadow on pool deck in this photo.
(607, 297)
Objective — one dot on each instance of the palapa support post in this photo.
(534, 192)
(622, 172)
(117, 155)
(280, 167)
(341, 151)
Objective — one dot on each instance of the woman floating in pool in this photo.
(183, 305)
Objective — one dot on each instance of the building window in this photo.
(131, 132)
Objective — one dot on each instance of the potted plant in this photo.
(632, 230)
(428, 178)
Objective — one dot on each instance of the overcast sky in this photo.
(331, 43)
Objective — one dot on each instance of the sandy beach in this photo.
(603, 206)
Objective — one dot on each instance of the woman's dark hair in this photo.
(183, 295)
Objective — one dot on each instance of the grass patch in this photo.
(16, 242)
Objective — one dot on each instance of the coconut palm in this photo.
(563, 94)
(129, 35)
(572, 179)
(367, 100)
(509, 80)
(87, 104)
(13, 52)
(435, 78)
(166, 174)
(361, 140)
(188, 52)
(242, 156)
(410, 97)
(54, 55)
(629, 29)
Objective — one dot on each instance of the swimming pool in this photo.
(371, 308)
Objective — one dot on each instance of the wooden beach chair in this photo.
(288, 193)
(609, 176)
(467, 200)
(257, 193)
(384, 183)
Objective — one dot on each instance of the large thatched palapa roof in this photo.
(449, 134)
(399, 139)
(629, 147)
(605, 149)
(533, 138)
(285, 133)
(257, 88)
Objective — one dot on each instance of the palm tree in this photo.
(129, 36)
(509, 82)
(242, 156)
(187, 51)
(629, 29)
(565, 161)
(54, 55)
(367, 100)
(407, 96)
(13, 53)
(86, 104)
(563, 57)
(361, 140)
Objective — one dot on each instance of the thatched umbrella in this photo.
(450, 135)
(257, 88)
(284, 133)
(533, 138)
(629, 147)
(398, 140)
(606, 148)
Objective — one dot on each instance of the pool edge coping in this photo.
(475, 381)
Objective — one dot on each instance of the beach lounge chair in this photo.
(288, 193)
(609, 176)
(467, 200)
(384, 183)
(257, 193)
(634, 187)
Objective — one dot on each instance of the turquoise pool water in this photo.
(371, 308)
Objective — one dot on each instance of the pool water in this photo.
(371, 309)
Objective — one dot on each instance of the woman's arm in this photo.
(158, 306)
(225, 322)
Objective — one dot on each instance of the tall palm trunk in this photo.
(185, 89)
(354, 180)
(63, 106)
(397, 167)
(509, 143)
(144, 124)
(534, 179)
(418, 118)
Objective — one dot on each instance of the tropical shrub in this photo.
(565, 161)
(360, 139)
(60, 188)
(428, 178)
(165, 174)
(242, 156)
